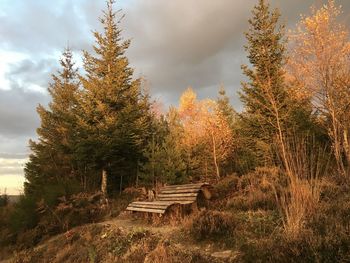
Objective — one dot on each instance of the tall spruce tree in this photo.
(114, 115)
(265, 95)
(52, 158)
(225, 108)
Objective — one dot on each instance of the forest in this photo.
(280, 168)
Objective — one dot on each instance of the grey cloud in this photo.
(18, 104)
(182, 43)
(42, 26)
(13, 155)
(18, 115)
(15, 146)
(27, 72)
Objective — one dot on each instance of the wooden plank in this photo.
(176, 191)
(178, 199)
(181, 189)
(138, 209)
(183, 186)
(177, 185)
(178, 195)
(149, 206)
(153, 202)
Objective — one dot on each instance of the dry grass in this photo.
(307, 165)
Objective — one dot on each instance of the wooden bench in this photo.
(172, 195)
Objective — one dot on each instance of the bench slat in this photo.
(182, 186)
(153, 202)
(176, 191)
(186, 185)
(193, 187)
(138, 209)
(151, 205)
(189, 198)
(178, 195)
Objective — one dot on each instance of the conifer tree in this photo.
(114, 112)
(164, 153)
(52, 158)
(265, 95)
(225, 108)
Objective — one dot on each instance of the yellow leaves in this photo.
(187, 102)
(204, 127)
(320, 49)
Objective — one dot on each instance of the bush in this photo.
(255, 190)
(24, 215)
(278, 249)
(4, 200)
(226, 186)
(213, 225)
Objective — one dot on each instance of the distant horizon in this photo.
(13, 184)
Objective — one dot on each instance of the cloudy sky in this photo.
(175, 44)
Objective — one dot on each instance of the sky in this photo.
(174, 44)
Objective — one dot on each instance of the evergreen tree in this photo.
(265, 95)
(52, 158)
(225, 108)
(114, 115)
(163, 153)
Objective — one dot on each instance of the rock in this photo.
(222, 255)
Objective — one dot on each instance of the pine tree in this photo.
(164, 154)
(225, 108)
(114, 111)
(265, 95)
(52, 158)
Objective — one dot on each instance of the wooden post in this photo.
(104, 182)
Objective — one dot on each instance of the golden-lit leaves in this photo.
(204, 126)
(320, 65)
(320, 51)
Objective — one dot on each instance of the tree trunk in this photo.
(214, 157)
(104, 182)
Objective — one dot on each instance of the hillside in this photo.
(119, 240)
(242, 223)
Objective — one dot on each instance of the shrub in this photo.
(4, 200)
(256, 190)
(257, 224)
(24, 215)
(226, 186)
(212, 225)
(278, 249)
